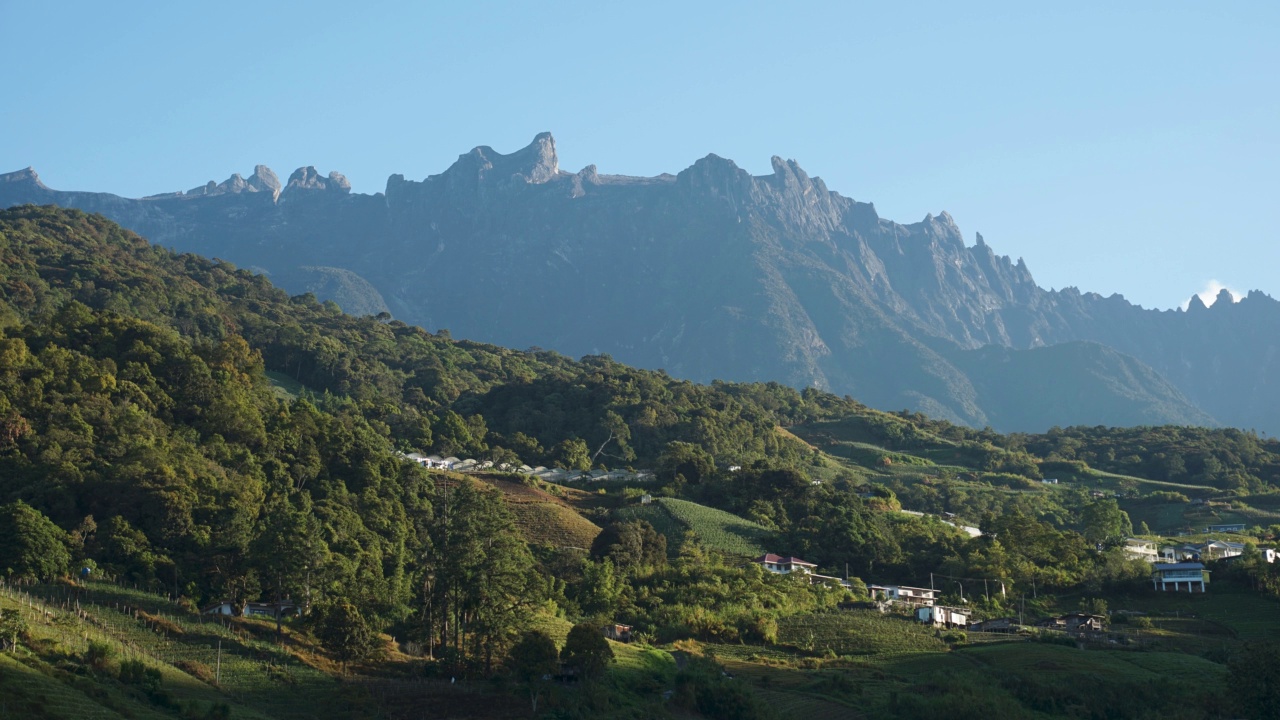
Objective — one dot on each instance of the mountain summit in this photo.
(716, 273)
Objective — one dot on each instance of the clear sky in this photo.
(1127, 149)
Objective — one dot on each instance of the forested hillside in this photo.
(179, 424)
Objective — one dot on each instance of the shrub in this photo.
(135, 672)
(99, 654)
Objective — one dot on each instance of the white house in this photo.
(1139, 549)
(942, 616)
(1221, 549)
(1177, 574)
(904, 594)
(784, 565)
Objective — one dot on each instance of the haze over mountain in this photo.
(714, 273)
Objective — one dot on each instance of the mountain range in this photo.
(713, 273)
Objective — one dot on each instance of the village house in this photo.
(942, 616)
(618, 632)
(270, 609)
(1077, 622)
(995, 625)
(222, 607)
(1191, 574)
(1139, 549)
(1227, 528)
(1210, 550)
(905, 594)
(1221, 550)
(784, 565)
(1179, 553)
(253, 609)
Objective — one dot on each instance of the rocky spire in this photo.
(308, 178)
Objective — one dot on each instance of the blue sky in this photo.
(1129, 150)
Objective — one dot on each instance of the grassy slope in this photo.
(545, 518)
(48, 677)
(711, 528)
(870, 663)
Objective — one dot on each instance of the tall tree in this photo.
(533, 660)
(480, 578)
(288, 551)
(31, 546)
(587, 650)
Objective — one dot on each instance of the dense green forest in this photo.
(180, 424)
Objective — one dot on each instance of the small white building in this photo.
(1139, 549)
(1221, 549)
(904, 594)
(942, 616)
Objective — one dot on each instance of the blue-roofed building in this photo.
(1173, 576)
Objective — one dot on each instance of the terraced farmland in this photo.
(713, 529)
(857, 632)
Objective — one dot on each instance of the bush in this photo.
(954, 637)
(99, 654)
(135, 672)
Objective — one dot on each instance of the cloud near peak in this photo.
(1210, 293)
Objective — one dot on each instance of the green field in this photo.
(712, 529)
(857, 632)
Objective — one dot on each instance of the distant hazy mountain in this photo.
(714, 273)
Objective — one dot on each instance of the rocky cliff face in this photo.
(714, 273)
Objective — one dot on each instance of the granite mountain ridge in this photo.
(716, 273)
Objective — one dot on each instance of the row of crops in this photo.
(857, 632)
(713, 529)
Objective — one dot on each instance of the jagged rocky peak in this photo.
(27, 175)
(713, 171)
(262, 180)
(1196, 304)
(1224, 299)
(308, 178)
(535, 163)
(941, 229)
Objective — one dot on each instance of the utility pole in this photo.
(218, 672)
